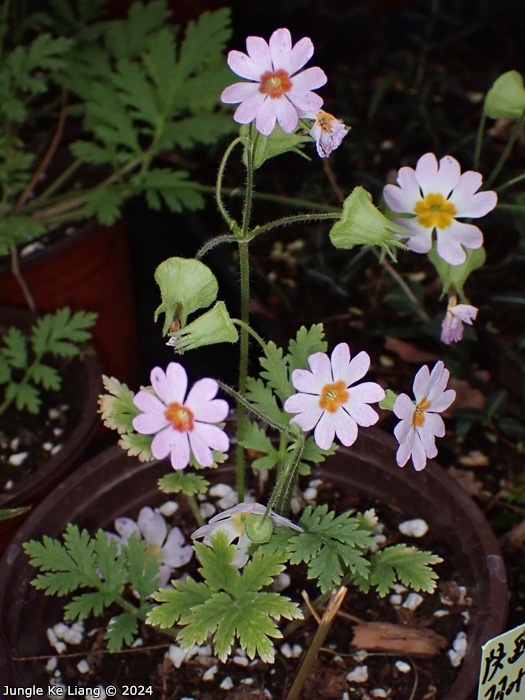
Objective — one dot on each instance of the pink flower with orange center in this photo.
(182, 425)
(329, 400)
(420, 423)
(277, 91)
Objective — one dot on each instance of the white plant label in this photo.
(502, 675)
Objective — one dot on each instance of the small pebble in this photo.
(83, 666)
(247, 681)
(53, 413)
(315, 483)
(240, 660)
(396, 599)
(9, 485)
(358, 675)
(281, 582)
(441, 613)
(60, 647)
(378, 693)
(13, 445)
(399, 588)
(413, 601)
(459, 649)
(310, 494)
(17, 459)
(51, 664)
(228, 501)
(220, 490)
(55, 449)
(137, 643)
(167, 509)
(403, 667)
(413, 528)
(48, 446)
(207, 510)
(227, 684)
(57, 432)
(360, 655)
(209, 675)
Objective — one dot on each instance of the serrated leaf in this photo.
(143, 567)
(402, 563)
(62, 332)
(175, 602)
(275, 371)
(204, 38)
(263, 398)
(25, 396)
(121, 630)
(307, 341)
(86, 604)
(253, 437)
(116, 407)
(137, 446)
(14, 351)
(183, 482)
(45, 375)
(103, 203)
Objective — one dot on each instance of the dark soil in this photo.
(427, 678)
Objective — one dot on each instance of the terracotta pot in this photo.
(87, 270)
(88, 386)
(113, 484)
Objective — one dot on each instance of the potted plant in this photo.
(292, 416)
(88, 107)
(49, 382)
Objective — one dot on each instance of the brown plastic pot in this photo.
(113, 484)
(86, 270)
(88, 385)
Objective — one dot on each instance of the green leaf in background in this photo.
(506, 97)
(454, 277)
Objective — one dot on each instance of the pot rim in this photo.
(114, 464)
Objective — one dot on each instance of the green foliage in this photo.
(506, 97)
(268, 392)
(184, 482)
(278, 142)
(331, 546)
(453, 277)
(25, 362)
(228, 605)
(402, 563)
(105, 569)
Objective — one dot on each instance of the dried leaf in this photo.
(409, 352)
(467, 480)
(397, 639)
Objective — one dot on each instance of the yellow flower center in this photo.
(332, 396)
(180, 417)
(435, 210)
(419, 414)
(275, 83)
(325, 120)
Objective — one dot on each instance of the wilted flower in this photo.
(232, 522)
(168, 547)
(277, 91)
(420, 423)
(456, 316)
(214, 326)
(437, 195)
(328, 132)
(181, 425)
(327, 403)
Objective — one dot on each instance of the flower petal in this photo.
(340, 360)
(302, 52)
(404, 407)
(345, 427)
(358, 367)
(419, 455)
(403, 429)
(126, 527)
(212, 435)
(249, 108)
(420, 237)
(259, 52)
(286, 115)
(152, 526)
(469, 204)
(404, 451)
(324, 430)
(174, 554)
(321, 367)
(403, 198)
(281, 49)
(297, 403)
(451, 239)
(308, 418)
(239, 92)
(308, 382)
(266, 115)
(170, 386)
(421, 385)
(362, 413)
(434, 179)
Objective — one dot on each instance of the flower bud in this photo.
(215, 326)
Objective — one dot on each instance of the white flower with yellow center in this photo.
(420, 423)
(329, 400)
(438, 195)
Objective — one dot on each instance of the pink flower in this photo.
(456, 316)
(327, 132)
(277, 91)
(327, 403)
(168, 547)
(181, 425)
(437, 195)
(420, 423)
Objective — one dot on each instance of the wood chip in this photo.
(397, 639)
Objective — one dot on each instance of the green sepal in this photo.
(388, 402)
(506, 97)
(361, 223)
(454, 277)
(278, 142)
(185, 286)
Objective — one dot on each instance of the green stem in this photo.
(232, 224)
(510, 183)
(479, 141)
(195, 510)
(213, 242)
(54, 186)
(253, 409)
(283, 491)
(243, 360)
(506, 151)
(294, 219)
(316, 644)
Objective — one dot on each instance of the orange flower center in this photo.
(275, 83)
(435, 210)
(180, 417)
(325, 120)
(419, 414)
(332, 396)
